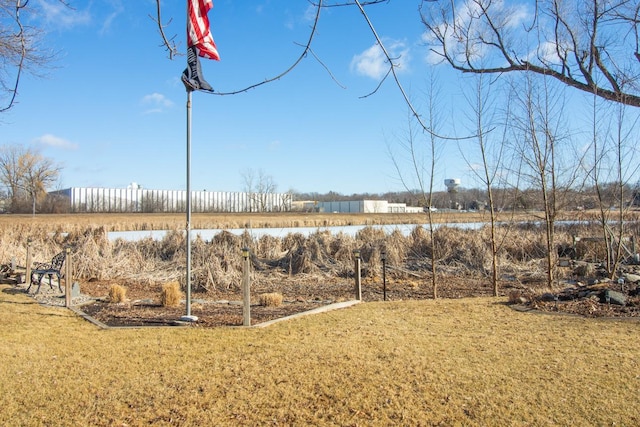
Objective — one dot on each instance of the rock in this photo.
(564, 263)
(613, 297)
(547, 297)
(631, 278)
(75, 290)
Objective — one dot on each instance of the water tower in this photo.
(452, 185)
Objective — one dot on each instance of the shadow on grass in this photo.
(14, 291)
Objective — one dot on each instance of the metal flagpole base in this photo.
(189, 318)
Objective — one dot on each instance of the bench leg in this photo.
(32, 281)
(39, 281)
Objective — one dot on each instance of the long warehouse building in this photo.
(88, 199)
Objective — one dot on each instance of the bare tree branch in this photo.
(307, 48)
(15, 48)
(169, 44)
(392, 72)
(590, 45)
(19, 49)
(319, 5)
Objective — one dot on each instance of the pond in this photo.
(351, 230)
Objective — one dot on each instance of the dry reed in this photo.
(117, 294)
(271, 299)
(171, 294)
(217, 264)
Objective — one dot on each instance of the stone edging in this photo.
(324, 308)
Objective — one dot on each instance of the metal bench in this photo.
(48, 269)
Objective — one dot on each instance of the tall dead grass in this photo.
(217, 264)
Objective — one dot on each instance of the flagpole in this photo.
(188, 316)
(200, 43)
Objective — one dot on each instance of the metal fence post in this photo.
(383, 256)
(356, 254)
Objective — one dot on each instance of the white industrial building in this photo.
(136, 199)
(366, 206)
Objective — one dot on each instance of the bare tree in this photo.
(27, 175)
(543, 145)
(260, 186)
(20, 48)
(12, 172)
(40, 173)
(490, 157)
(614, 150)
(418, 167)
(591, 45)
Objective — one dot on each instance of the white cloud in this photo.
(118, 9)
(310, 13)
(156, 103)
(547, 52)
(54, 141)
(373, 63)
(274, 145)
(58, 15)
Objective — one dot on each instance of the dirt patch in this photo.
(210, 314)
(224, 308)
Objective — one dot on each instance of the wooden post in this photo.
(356, 254)
(246, 294)
(27, 274)
(67, 278)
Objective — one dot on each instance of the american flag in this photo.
(200, 43)
(198, 31)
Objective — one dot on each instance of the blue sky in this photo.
(111, 109)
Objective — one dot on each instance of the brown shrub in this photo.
(117, 294)
(171, 294)
(273, 299)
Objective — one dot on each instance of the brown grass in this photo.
(271, 299)
(117, 294)
(171, 294)
(471, 362)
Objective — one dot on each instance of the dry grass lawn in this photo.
(442, 362)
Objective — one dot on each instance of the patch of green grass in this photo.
(448, 362)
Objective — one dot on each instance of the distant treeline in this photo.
(504, 198)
